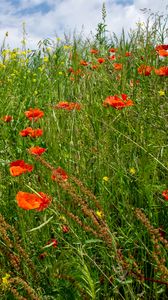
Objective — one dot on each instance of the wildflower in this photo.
(42, 255)
(62, 218)
(65, 229)
(26, 132)
(45, 59)
(60, 73)
(83, 63)
(163, 52)
(5, 280)
(31, 132)
(117, 66)
(67, 47)
(68, 105)
(7, 118)
(19, 167)
(161, 47)
(145, 70)
(112, 50)
(127, 54)
(100, 214)
(36, 150)
(105, 178)
(165, 194)
(59, 173)
(30, 201)
(94, 51)
(134, 82)
(117, 102)
(161, 93)
(74, 105)
(34, 114)
(101, 60)
(53, 242)
(94, 67)
(162, 71)
(113, 57)
(71, 70)
(132, 171)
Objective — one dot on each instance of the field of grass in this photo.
(84, 168)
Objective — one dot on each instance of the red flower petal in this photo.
(30, 201)
(165, 194)
(36, 150)
(34, 114)
(19, 167)
(59, 173)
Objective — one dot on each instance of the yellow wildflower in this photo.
(100, 214)
(62, 218)
(67, 47)
(60, 73)
(45, 59)
(132, 171)
(161, 93)
(5, 280)
(105, 178)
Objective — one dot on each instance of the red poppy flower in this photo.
(42, 255)
(7, 119)
(83, 63)
(101, 60)
(165, 194)
(94, 67)
(163, 52)
(71, 70)
(127, 54)
(117, 102)
(53, 242)
(34, 114)
(30, 201)
(74, 105)
(112, 50)
(31, 132)
(65, 229)
(36, 150)
(59, 173)
(26, 132)
(145, 70)
(94, 51)
(36, 133)
(68, 105)
(19, 167)
(117, 66)
(113, 57)
(162, 71)
(161, 47)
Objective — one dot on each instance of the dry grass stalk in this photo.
(12, 249)
(99, 224)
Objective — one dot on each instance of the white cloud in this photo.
(67, 15)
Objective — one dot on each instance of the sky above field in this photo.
(52, 18)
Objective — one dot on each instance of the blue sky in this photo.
(53, 18)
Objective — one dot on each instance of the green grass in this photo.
(119, 156)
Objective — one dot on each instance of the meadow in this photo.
(84, 168)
